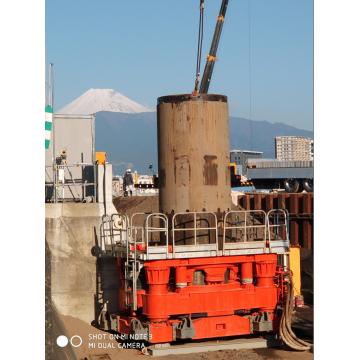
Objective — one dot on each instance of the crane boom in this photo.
(211, 58)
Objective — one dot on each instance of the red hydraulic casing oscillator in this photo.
(231, 295)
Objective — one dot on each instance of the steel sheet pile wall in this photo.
(193, 151)
(299, 207)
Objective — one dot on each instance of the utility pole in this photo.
(50, 125)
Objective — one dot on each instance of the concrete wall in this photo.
(77, 283)
(70, 231)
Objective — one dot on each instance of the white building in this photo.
(294, 148)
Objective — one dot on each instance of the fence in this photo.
(71, 182)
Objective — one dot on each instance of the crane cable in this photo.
(250, 73)
(199, 48)
(286, 333)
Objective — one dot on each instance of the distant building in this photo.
(294, 148)
(239, 157)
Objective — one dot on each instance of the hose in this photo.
(286, 333)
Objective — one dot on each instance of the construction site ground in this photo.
(105, 348)
(100, 345)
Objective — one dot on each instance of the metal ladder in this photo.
(132, 270)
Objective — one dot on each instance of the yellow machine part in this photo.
(100, 157)
(295, 268)
(136, 177)
(232, 167)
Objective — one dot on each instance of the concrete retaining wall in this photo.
(76, 281)
(70, 235)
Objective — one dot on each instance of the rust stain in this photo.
(210, 173)
(227, 175)
(162, 178)
(181, 170)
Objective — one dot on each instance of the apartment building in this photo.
(294, 148)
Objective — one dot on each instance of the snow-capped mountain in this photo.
(95, 100)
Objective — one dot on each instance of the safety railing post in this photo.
(245, 227)
(195, 240)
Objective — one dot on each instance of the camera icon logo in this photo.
(63, 341)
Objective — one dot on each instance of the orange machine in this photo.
(213, 286)
(228, 303)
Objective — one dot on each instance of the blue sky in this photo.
(146, 49)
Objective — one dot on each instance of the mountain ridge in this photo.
(131, 139)
(126, 130)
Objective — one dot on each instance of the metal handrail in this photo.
(105, 232)
(68, 182)
(109, 233)
(245, 227)
(280, 243)
(278, 225)
(152, 229)
(195, 229)
(128, 235)
(124, 219)
(136, 228)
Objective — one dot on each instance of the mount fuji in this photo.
(96, 100)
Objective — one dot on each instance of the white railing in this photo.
(247, 231)
(113, 231)
(137, 232)
(195, 217)
(278, 230)
(150, 229)
(146, 235)
(71, 182)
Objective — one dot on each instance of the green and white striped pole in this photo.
(48, 125)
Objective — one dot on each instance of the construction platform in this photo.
(206, 346)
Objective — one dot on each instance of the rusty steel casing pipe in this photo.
(193, 153)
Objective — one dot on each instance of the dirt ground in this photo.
(136, 204)
(100, 345)
(259, 354)
(133, 204)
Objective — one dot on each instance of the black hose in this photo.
(286, 333)
(104, 188)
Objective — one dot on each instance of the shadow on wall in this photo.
(106, 298)
(53, 324)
